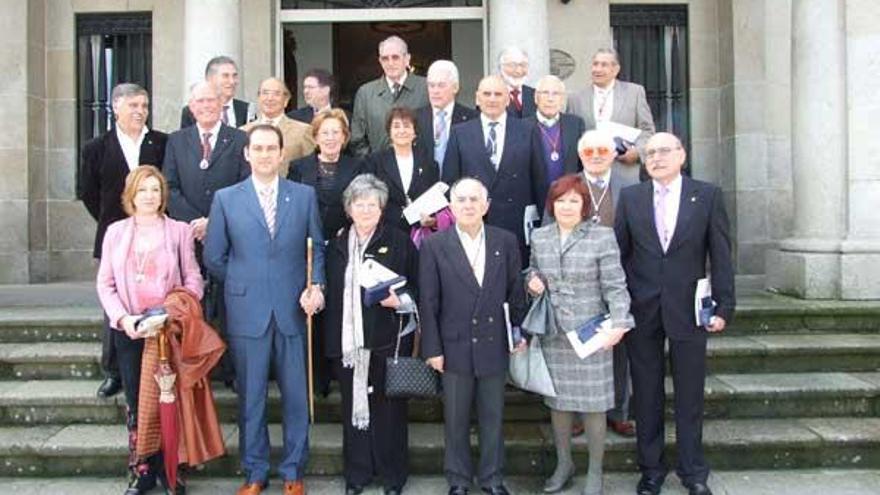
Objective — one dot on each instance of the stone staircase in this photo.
(792, 385)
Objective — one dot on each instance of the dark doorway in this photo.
(355, 50)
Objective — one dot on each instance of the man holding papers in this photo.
(466, 275)
(621, 107)
(667, 230)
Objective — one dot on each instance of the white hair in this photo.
(395, 40)
(444, 70)
(511, 51)
(596, 135)
(202, 84)
(469, 180)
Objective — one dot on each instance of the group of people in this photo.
(542, 203)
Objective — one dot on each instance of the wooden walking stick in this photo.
(311, 390)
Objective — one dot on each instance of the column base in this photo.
(804, 274)
(859, 276)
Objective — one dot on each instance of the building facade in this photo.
(780, 97)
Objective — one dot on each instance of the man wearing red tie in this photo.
(513, 66)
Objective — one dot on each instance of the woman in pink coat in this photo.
(144, 257)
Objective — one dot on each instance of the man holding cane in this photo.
(256, 244)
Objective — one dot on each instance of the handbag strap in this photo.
(416, 339)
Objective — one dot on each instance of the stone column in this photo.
(211, 28)
(808, 263)
(522, 23)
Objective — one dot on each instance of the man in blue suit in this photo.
(256, 244)
(497, 150)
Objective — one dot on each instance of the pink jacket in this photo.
(113, 278)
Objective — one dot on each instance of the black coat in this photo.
(425, 124)
(572, 130)
(660, 284)
(513, 186)
(239, 107)
(383, 164)
(333, 216)
(394, 250)
(529, 107)
(461, 320)
(191, 188)
(103, 174)
(304, 114)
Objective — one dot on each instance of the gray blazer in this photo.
(372, 103)
(583, 276)
(630, 108)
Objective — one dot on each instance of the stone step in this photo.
(728, 396)
(727, 354)
(779, 482)
(100, 450)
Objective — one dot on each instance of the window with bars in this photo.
(652, 43)
(111, 49)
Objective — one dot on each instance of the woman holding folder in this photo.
(360, 337)
(577, 262)
(407, 171)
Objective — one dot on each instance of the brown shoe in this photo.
(577, 429)
(294, 487)
(250, 489)
(623, 428)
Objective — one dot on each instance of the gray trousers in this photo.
(459, 394)
(622, 389)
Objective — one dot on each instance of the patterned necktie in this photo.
(660, 216)
(440, 137)
(514, 97)
(600, 183)
(395, 91)
(206, 151)
(267, 202)
(223, 116)
(492, 143)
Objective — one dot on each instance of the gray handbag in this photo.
(540, 320)
(528, 370)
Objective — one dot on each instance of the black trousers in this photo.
(382, 449)
(622, 390)
(109, 364)
(129, 352)
(459, 394)
(688, 365)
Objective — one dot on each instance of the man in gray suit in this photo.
(610, 100)
(396, 88)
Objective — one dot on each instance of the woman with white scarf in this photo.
(361, 337)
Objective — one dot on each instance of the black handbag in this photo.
(410, 377)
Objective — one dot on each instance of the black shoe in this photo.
(109, 387)
(140, 485)
(649, 486)
(496, 490)
(458, 490)
(231, 385)
(698, 489)
(353, 489)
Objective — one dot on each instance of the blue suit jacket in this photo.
(263, 275)
(513, 186)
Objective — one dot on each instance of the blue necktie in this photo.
(440, 138)
(492, 144)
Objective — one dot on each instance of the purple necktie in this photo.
(660, 216)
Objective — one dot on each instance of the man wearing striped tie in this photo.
(256, 244)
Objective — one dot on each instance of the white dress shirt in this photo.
(603, 102)
(475, 251)
(131, 148)
(548, 123)
(405, 167)
(214, 131)
(499, 135)
(673, 201)
(391, 83)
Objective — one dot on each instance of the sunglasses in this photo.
(599, 151)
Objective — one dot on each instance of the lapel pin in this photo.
(383, 249)
(693, 199)
(497, 253)
(287, 199)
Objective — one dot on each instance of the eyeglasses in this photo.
(271, 92)
(598, 151)
(521, 65)
(544, 92)
(660, 152)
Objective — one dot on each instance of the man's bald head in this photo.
(492, 96)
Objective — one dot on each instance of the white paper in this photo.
(508, 326)
(430, 202)
(624, 132)
(597, 342)
(704, 289)
(373, 273)
(530, 222)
